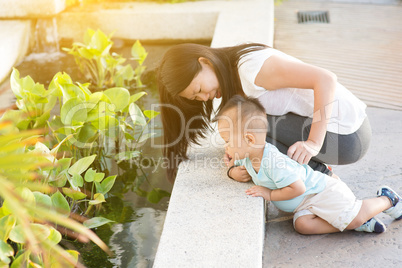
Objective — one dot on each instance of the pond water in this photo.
(134, 236)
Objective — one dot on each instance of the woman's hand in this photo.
(303, 151)
(264, 192)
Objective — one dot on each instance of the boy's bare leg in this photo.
(370, 208)
(312, 224)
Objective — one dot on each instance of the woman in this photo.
(294, 94)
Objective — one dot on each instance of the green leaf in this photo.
(63, 164)
(59, 202)
(91, 176)
(97, 97)
(99, 176)
(87, 134)
(98, 198)
(7, 223)
(75, 254)
(108, 125)
(21, 260)
(128, 136)
(151, 114)
(81, 165)
(42, 199)
(50, 104)
(99, 110)
(39, 92)
(119, 96)
(124, 74)
(74, 110)
(106, 185)
(26, 195)
(156, 195)
(137, 96)
(101, 42)
(71, 91)
(41, 121)
(77, 181)
(75, 195)
(5, 251)
(61, 179)
(87, 36)
(126, 155)
(15, 116)
(138, 52)
(141, 192)
(15, 83)
(20, 86)
(40, 231)
(136, 115)
(85, 89)
(55, 236)
(145, 136)
(134, 98)
(96, 222)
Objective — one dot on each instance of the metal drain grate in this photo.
(313, 17)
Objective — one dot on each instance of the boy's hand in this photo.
(264, 192)
(229, 161)
(240, 174)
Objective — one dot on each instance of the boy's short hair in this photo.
(246, 108)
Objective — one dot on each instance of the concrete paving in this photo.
(17, 34)
(381, 166)
(26, 9)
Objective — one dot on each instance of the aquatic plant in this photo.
(32, 213)
(103, 68)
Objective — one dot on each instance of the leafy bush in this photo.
(105, 69)
(87, 126)
(43, 182)
(31, 212)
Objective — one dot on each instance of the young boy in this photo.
(322, 204)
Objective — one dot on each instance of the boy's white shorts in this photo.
(336, 204)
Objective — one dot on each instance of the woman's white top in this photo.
(348, 112)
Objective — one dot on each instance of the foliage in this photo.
(43, 182)
(89, 126)
(31, 212)
(105, 69)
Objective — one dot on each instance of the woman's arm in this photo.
(286, 193)
(278, 72)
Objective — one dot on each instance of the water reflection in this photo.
(135, 243)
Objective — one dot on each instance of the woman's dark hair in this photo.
(177, 69)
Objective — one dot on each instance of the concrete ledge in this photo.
(211, 222)
(30, 9)
(144, 21)
(15, 45)
(224, 22)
